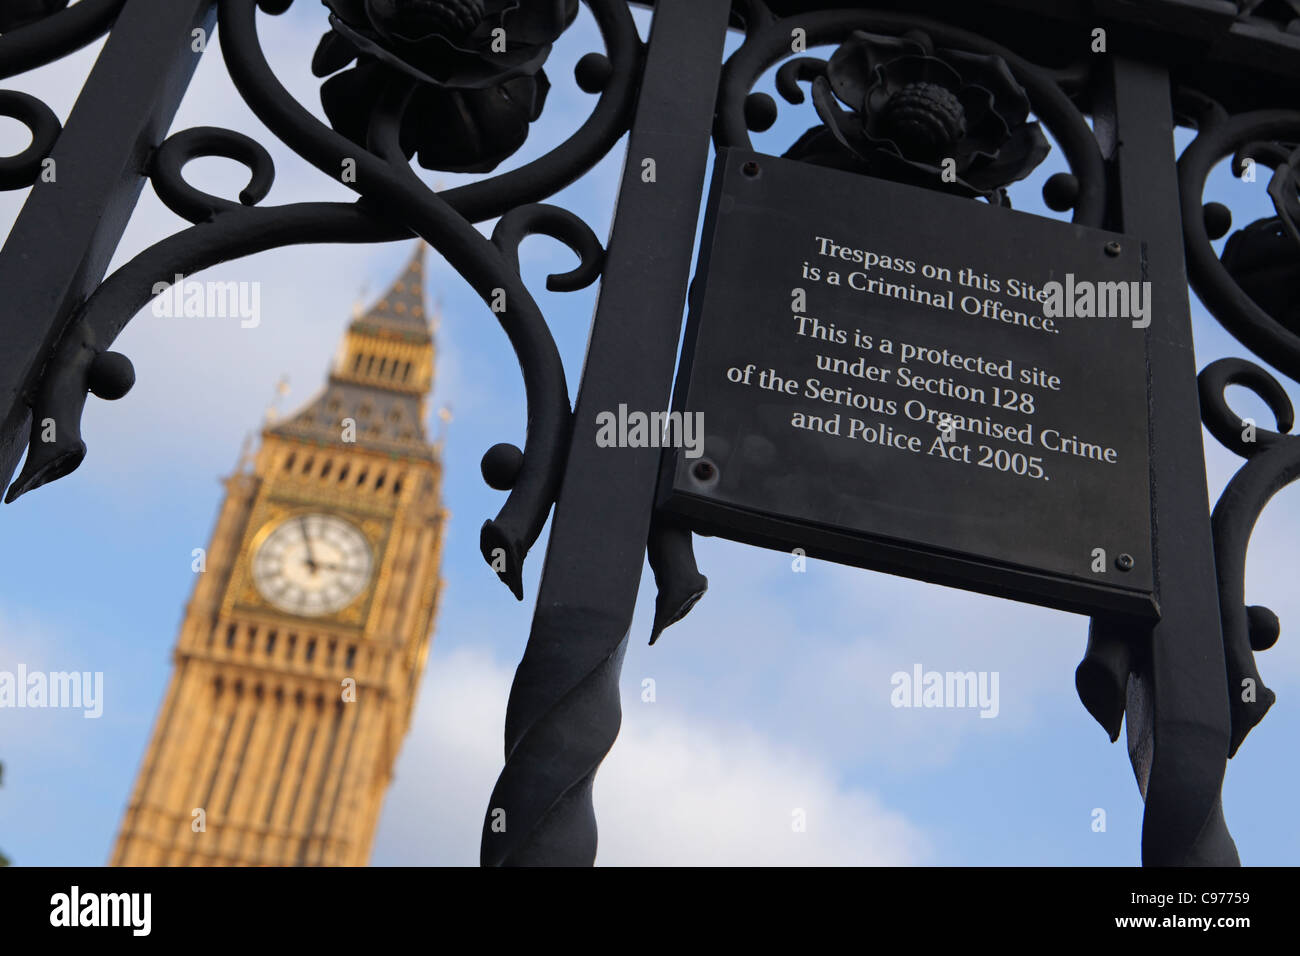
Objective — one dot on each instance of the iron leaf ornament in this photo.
(477, 63)
(915, 112)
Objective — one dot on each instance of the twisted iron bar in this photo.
(564, 710)
(563, 718)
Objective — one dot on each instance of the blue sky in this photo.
(771, 697)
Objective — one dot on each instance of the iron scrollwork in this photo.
(398, 100)
(430, 82)
(36, 32)
(1250, 290)
(33, 33)
(1272, 462)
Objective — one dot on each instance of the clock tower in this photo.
(302, 647)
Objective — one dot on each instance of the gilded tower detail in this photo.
(302, 647)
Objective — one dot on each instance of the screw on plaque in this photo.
(1124, 562)
(1113, 248)
(750, 169)
(704, 470)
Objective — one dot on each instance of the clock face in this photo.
(312, 564)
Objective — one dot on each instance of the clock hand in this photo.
(311, 561)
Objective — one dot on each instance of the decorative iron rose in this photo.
(1264, 257)
(911, 107)
(19, 13)
(478, 64)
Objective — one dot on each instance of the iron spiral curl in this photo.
(1272, 463)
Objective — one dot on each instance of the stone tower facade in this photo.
(302, 648)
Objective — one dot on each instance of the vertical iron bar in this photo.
(1177, 708)
(564, 708)
(68, 229)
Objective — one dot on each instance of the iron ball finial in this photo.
(500, 466)
(111, 376)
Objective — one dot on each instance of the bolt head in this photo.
(1125, 562)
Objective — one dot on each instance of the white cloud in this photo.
(820, 648)
(672, 792)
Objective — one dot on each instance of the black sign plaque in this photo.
(918, 383)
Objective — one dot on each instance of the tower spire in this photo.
(402, 307)
(390, 344)
(383, 374)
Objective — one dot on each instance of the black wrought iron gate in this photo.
(1187, 685)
